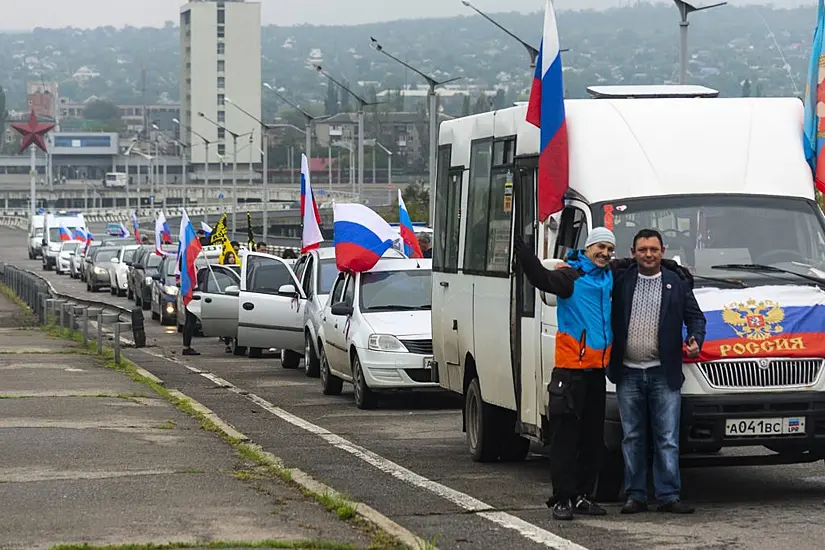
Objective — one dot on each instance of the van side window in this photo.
(573, 231)
(444, 191)
(487, 248)
(478, 207)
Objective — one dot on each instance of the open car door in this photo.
(218, 310)
(271, 304)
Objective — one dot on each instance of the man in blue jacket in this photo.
(650, 307)
(577, 385)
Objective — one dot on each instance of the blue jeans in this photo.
(643, 396)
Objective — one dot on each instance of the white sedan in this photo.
(376, 331)
(64, 256)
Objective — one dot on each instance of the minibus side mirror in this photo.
(546, 297)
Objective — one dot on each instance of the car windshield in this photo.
(706, 231)
(105, 254)
(129, 254)
(327, 275)
(171, 261)
(396, 290)
(153, 260)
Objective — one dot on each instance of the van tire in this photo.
(611, 477)
(236, 349)
(290, 359)
(484, 433)
(330, 384)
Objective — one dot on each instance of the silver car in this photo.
(100, 273)
(120, 270)
(64, 257)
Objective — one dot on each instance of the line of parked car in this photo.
(369, 329)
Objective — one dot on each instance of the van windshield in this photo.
(705, 231)
(54, 233)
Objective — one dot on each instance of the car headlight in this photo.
(170, 290)
(148, 280)
(385, 342)
(100, 271)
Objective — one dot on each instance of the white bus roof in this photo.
(650, 91)
(626, 148)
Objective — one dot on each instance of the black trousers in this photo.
(576, 411)
(189, 326)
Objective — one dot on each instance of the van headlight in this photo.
(385, 342)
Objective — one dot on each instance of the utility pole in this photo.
(686, 9)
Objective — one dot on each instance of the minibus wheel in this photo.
(483, 437)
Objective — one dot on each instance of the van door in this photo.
(523, 328)
(265, 318)
(218, 311)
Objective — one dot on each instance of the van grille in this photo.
(420, 347)
(762, 373)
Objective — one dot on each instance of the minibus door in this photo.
(524, 340)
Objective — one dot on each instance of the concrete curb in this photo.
(308, 483)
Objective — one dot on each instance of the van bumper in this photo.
(702, 426)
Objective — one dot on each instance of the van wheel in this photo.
(611, 477)
(312, 365)
(290, 359)
(365, 398)
(484, 426)
(330, 384)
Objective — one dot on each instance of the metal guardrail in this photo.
(73, 313)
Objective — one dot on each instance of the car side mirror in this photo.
(341, 308)
(232, 290)
(128, 264)
(157, 276)
(288, 291)
(549, 264)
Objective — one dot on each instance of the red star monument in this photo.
(33, 133)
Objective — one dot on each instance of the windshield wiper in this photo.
(759, 268)
(398, 308)
(732, 282)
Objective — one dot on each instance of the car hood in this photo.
(403, 324)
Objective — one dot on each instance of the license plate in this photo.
(428, 362)
(764, 426)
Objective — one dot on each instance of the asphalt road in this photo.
(408, 459)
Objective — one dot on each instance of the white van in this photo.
(115, 180)
(50, 243)
(35, 238)
(725, 181)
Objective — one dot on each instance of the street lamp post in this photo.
(235, 137)
(361, 104)
(686, 9)
(432, 98)
(206, 143)
(309, 118)
(265, 175)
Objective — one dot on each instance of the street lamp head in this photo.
(267, 86)
(375, 44)
(319, 68)
(155, 126)
(201, 115)
(228, 100)
(466, 3)
(176, 121)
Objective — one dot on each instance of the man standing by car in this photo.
(577, 386)
(650, 307)
(426, 246)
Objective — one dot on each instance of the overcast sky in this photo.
(138, 13)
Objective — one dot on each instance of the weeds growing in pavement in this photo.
(296, 545)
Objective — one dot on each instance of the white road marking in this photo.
(462, 500)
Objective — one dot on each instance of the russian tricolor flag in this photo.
(161, 234)
(122, 231)
(64, 233)
(361, 237)
(546, 111)
(405, 227)
(190, 249)
(80, 235)
(312, 236)
(813, 142)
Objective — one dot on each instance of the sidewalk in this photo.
(89, 456)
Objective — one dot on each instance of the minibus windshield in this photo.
(709, 231)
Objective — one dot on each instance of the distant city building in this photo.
(132, 115)
(220, 59)
(43, 98)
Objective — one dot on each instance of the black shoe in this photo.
(634, 507)
(587, 507)
(190, 351)
(563, 510)
(676, 507)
